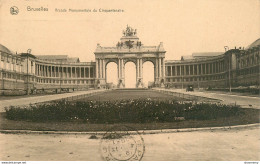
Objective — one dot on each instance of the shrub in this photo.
(126, 111)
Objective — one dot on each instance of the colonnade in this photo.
(195, 69)
(65, 72)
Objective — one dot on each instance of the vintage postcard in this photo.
(129, 80)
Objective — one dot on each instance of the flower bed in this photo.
(126, 111)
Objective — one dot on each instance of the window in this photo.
(2, 57)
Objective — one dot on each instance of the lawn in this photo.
(141, 109)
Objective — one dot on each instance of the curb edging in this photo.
(139, 131)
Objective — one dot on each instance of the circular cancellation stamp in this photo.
(122, 143)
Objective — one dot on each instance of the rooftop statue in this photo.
(129, 31)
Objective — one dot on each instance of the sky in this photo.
(184, 26)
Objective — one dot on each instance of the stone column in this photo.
(205, 68)
(163, 68)
(59, 71)
(70, 72)
(84, 72)
(215, 67)
(100, 68)
(48, 71)
(41, 70)
(51, 70)
(64, 72)
(104, 69)
(218, 66)
(16, 67)
(211, 69)
(36, 69)
(156, 68)
(97, 72)
(123, 69)
(88, 72)
(184, 70)
(118, 69)
(79, 75)
(160, 67)
(167, 70)
(137, 69)
(141, 68)
(67, 74)
(44, 71)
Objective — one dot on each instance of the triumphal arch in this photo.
(130, 48)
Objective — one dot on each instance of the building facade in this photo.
(31, 73)
(233, 68)
(130, 49)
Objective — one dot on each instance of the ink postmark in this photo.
(122, 143)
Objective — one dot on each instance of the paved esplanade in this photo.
(38, 99)
(243, 101)
(230, 145)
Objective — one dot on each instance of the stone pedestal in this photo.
(139, 83)
(120, 84)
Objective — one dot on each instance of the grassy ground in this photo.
(250, 116)
(130, 94)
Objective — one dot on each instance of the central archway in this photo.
(148, 74)
(130, 75)
(111, 76)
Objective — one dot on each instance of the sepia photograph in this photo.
(129, 80)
